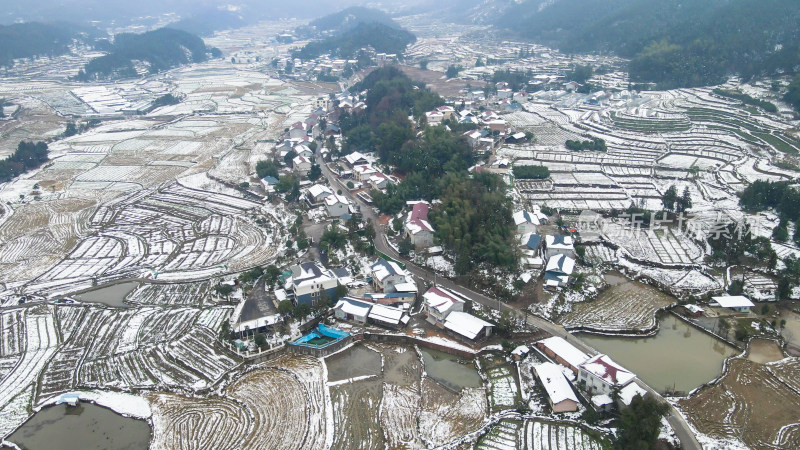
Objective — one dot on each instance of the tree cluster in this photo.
(747, 100)
(162, 49)
(674, 43)
(673, 202)
(474, 221)
(27, 156)
(531, 172)
(381, 37)
(598, 145)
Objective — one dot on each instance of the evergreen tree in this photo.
(669, 198)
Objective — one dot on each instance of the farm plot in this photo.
(446, 415)
(505, 435)
(280, 406)
(624, 307)
(355, 415)
(754, 403)
(174, 233)
(504, 387)
(178, 294)
(664, 245)
(145, 348)
(37, 235)
(39, 341)
(558, 436)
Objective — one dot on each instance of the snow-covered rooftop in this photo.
(604, 368)
(627, 393)
(557, 387)
(417, 220)
(733, 301)
(465, 324)
(353, 306)
(440, 299)
(564, 350)
(386, 314)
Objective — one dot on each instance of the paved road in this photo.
(675, 419)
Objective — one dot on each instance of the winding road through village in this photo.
(675, 419)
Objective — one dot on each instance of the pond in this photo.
(678, 357)
(113, 295)
(86, 426)
(358, 361)
(451, 371)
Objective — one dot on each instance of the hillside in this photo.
(674, 43)
(383, 38)
(25, 40)
(160, 49)
(350, 17)
(207, 22)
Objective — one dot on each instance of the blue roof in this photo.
(534, 241)
(270, 180)
(559, 239)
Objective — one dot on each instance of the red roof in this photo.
(419, 216)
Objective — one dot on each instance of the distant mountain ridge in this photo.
(673, 43)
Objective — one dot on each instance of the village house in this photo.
(417, 227)
(298, 131)
(351, 309)
(439, 302)
(734, 303)
(531, 244)
(379, 181)
(356, 159)
(268, 183)
(434, 117)
(337, 205)
(363, 172)
(562, 352)
(559, 392)
(558, 270)
(601, 375)
(301, 165)
(558, 245)
(388, 316)
(393, 298)
(316, 194)
(386, 275)
(526, 222)
(448, 112)
(467, 327)
(308, 280)
(303, 150)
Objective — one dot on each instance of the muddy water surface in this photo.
(113, 295)
(82, 427)
(679, 356)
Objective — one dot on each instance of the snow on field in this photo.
(446, 416)
(41, 341)
(504, 391)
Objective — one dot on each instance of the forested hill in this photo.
(345, 20)
(383, 38)
(25, 40)
(160, 49)
(674, 43)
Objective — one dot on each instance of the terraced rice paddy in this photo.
(623, 307)
(754, 403)
(539, 435)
